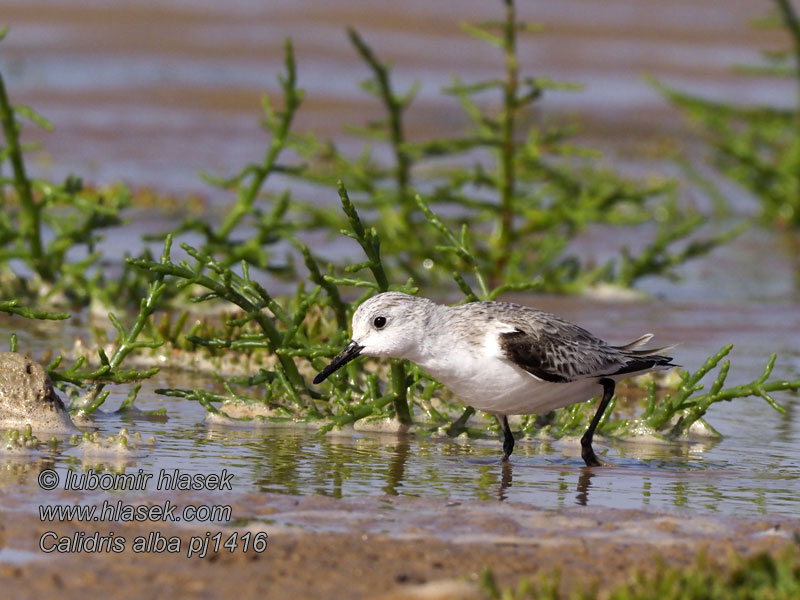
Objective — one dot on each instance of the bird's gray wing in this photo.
(556, 350)
(560, 357)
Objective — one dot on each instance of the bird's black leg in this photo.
(587, 453)
(508, 438)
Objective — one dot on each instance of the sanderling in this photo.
(499, 357)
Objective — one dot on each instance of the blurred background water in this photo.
(152, 93)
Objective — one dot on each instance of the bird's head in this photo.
(388, 324)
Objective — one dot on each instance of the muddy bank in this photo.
(318, 547)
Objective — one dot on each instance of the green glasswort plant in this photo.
(85, 386)
(762, 575)
(668, 415)
(298, 334)
(758, 146)
(127, 341)
(70, 217)
(12, 307)
(505, 214)
(69, 214)
(291, 330)
(524, 190)
(246, 232)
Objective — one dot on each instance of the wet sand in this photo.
(386, 546)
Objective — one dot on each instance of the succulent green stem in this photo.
(30, 221)
(507, 148)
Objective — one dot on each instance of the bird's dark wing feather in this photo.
(573, 353)
(559, 360)
(556, 350)
(519, 349)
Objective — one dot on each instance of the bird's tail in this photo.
(637, 342)
(644, 360)
(630, 348)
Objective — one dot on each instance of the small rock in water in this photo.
(27, 396)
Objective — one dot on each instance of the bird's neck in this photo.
(433, 341)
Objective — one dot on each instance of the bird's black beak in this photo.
(345, 356)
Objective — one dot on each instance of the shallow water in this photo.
(152, 95)
(752, 471)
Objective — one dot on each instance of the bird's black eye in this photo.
(379, 322)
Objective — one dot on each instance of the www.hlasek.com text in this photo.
(123, 512)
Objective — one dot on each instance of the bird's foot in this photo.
(590, 458)
(597, 462)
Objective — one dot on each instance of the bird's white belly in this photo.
(497, 386)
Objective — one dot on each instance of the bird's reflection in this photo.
(584, 483)
(505, 481)
(397, 467)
